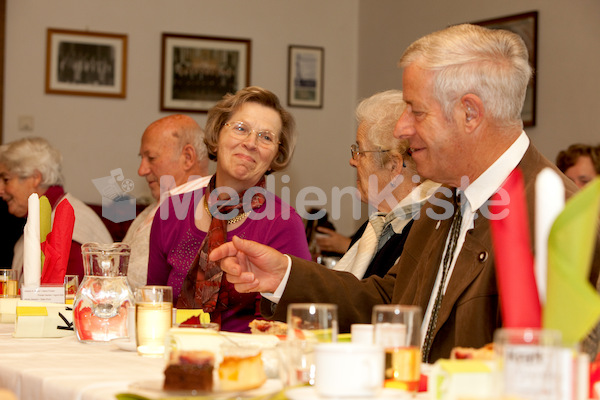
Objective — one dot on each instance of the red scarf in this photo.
(202, 285)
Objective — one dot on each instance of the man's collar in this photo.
(194, 182)
(480, 190)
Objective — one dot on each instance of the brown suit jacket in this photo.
(470, 311)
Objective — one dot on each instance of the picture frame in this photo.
(197, 71)
(305, 76)
(85, 63)
(526, 26)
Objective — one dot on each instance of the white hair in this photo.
(490, 63)
(24, 157)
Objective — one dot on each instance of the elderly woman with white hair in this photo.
(387, 180)
(32, 165)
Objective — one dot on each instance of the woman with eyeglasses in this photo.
(249, 135)
(387, 180)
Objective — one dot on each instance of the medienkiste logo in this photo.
(117, 204)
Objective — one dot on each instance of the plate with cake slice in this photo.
(155, 390)
(237, 370)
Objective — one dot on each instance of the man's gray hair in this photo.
(490, 63)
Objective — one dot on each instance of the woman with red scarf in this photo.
(249, 135)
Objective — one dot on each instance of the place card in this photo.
(44, 293)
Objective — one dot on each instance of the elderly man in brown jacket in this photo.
(464, 87)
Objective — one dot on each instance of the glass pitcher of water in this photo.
(104, 296)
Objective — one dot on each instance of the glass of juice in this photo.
(9, 286)
(153, 318)
(397, 328)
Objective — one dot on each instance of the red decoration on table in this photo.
(57, 246)
(423, 383)
(519, 300)
(194, 320)
(594, 377)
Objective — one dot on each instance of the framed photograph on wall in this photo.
(198, 70)
(86, 63)
(525, 25)
(305, 76)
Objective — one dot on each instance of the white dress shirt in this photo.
(473, 197)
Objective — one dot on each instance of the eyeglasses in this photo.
(242, 130)
(356, 152)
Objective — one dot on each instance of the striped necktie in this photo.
(448, 256)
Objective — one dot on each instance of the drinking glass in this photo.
(398, 331)
(315, 322)
(529, 363)
(308, 324)
(9, 286)
(153, 318)
(71, 283)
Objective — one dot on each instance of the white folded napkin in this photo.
(32, 262)
(549, 202)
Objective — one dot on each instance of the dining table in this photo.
(66, 369)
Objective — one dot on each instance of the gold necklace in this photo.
(233, 220)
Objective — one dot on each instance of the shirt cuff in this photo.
(276, 296)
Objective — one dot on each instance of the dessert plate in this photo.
(310, 393)
(154, 389)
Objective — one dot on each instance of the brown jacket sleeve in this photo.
(310, 282)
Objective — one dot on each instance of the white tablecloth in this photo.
(64, 369)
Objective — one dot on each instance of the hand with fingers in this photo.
(332, 241)
(251, 266)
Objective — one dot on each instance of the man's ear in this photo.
(189, 156)
(472, 109)
(395, 164)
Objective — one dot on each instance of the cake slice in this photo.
(190, 370)
(262, 326)
(241, 369)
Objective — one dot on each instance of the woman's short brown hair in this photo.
(567, 158)
(230, 103)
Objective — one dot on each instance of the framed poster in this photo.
(525, 25)
(198, 70)
(305, 76)
(86, 63)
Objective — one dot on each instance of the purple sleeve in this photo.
(289, 237)
(158, 267)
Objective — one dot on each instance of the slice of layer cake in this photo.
(190, 370)
(241, 369)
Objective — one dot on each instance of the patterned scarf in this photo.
(202, 285)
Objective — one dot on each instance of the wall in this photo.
(97, 134)
(363, 40)
(568, 104)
